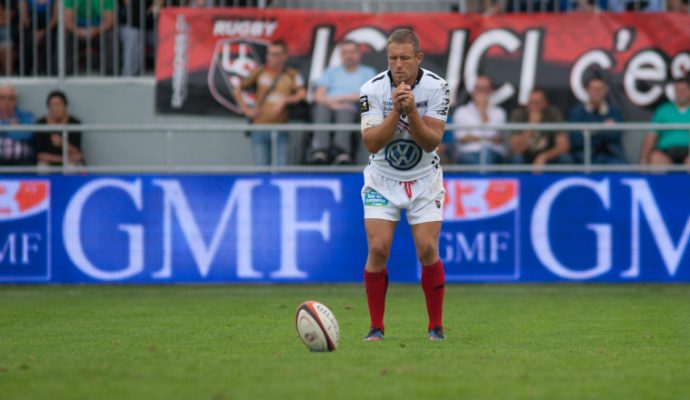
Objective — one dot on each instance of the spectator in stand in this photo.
(39, 21)
(670, 146)
(538, 147)
(470, 144)
(88, 25)
(6, 55)
(277, 86)
(136, 32)
(16, 147)
(49, 144)
(606, 145)
(336, 97)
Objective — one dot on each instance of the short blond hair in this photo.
(402, 36)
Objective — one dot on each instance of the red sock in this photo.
(433, 284)
(376, 284)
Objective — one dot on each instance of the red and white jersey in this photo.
(402, 159)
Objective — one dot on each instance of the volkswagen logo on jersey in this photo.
(403, 154)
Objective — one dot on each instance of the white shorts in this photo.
(422, 199)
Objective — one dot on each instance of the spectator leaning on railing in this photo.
(16, 147)
(538, 147)
(39, 21)
(606, 145)
(136, 19)
(670, 146)
(85, 22)
(49, 144)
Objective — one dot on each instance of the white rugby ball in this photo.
(317, 326)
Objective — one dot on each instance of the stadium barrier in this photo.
(308, 228)
(304, 224)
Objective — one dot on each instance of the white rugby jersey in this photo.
(402, 159)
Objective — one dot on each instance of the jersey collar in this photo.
(420, 72)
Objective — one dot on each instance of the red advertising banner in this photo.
(204, 53)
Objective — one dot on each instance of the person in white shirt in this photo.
(404, 112)
(470, 143)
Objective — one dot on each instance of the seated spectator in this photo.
(6, 55)
(538, 147)
(16, 147)
(670, 146)
(277, 87)
(39, 21)
(473, 145)
(88, 24)
(606, 145)
(49, 144)
(336, 97)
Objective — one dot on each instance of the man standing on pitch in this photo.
(404, 111)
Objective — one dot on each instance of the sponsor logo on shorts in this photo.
(373, 198)
(403, 154)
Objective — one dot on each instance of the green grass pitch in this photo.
(239, 342)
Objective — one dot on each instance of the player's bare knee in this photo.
(378, 252)
(427, 251)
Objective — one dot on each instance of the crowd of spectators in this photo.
(278, 87)
(490, 146)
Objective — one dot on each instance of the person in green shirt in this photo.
(89, 26)
(670, 146)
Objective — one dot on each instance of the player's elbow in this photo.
(372, 148)
(430, 145)
(370, 143)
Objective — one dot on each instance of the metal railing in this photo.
(587, 130)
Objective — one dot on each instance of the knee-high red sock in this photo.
(376, 284)
(433, 284)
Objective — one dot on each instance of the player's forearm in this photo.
(425, 137)
(376, 137)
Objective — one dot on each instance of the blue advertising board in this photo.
(273, 228)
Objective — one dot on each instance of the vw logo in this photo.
(403, 154)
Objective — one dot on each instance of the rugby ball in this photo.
(317, 326)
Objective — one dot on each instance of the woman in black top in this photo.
(49, 144)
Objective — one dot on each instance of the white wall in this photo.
(132, 101)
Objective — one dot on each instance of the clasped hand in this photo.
(403, 99)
